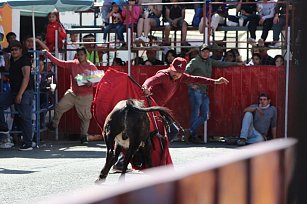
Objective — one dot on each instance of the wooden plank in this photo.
(219, 181)
(265, 179)
(233, 183)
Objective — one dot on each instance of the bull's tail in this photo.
(164, 112)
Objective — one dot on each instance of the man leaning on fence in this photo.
(198, 93)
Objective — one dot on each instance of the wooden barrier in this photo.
(258, 175)
(226, 102)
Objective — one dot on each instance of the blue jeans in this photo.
(199, 101)
(122, 29)
(248, 131)
(117, 28)
(25, 112)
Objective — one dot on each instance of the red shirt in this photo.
(163, 87)
(74, 67)
(50, 35)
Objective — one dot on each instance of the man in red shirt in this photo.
(79, 96)
(163, 85)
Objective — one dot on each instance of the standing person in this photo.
(79, 96)
(72, 46)
(257, 120)
(255, 60)
(21, 94)
(198, 93)
(93, 52)
(131, 14)
(9, 38)
(163, 85)
(151, 56)
(279, 61)
(53, 26)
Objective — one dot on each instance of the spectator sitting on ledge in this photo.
(257, 120)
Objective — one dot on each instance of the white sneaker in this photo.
(118, 45)
(252, 41)
(6, 145)
(146, 40)
(275, 45)
(241, 22)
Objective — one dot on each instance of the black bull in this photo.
(128, 127)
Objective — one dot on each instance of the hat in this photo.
(15, 43)
(178, 64)
(204, 47)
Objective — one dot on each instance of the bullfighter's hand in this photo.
(88, 84)
(221, 80)
(146, 91)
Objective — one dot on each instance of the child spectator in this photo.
(237, 54)
(256, 59)
(54, 25)
(192, 53)
(118, 62)
(170, 56)
(279, 61)
(72, 46)
(230, 56)
(117, 20)
(131, 14)
(175, 15)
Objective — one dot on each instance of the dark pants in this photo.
(123, 29)
(277, 28)
(25, 112)
(117, 28)
(254, 22)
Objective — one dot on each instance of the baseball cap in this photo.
(204, 47)
(15, 43)
(178, 64)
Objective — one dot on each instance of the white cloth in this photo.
(71, 54)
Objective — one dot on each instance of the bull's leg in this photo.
(109, 159)
(130, 152)
(147, 150)
(105, 170)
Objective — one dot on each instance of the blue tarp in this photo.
(49, 5)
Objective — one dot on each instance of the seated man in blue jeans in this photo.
(257, 120)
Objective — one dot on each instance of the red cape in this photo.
(116, 86)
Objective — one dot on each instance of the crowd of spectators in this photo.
(143, 18)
